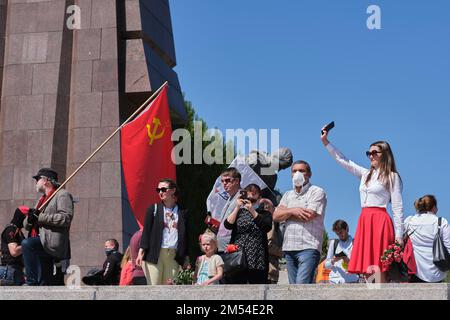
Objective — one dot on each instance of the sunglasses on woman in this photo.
(158, 190)
(372, 153)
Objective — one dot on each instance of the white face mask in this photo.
(298, 179)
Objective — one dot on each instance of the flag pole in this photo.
(103, 144)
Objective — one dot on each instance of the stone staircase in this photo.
(235, 292)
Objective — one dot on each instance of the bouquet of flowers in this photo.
(394, 253)
(185, 276)
(392, 259)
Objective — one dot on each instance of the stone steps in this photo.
(235, 292)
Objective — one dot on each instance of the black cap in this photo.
(46, 172)
(19, 215)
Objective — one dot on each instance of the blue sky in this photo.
(297, 65)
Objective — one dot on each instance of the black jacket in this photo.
(152, 234)
(111, 269)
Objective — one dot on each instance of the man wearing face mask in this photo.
(303, 210)
(111, 267)
(51, 243)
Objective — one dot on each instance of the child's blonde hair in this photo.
(208, 235)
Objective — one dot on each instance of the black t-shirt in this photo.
(11, 234)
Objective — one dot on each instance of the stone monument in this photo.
(70, 72)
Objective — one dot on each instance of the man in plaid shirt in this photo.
(303, 210)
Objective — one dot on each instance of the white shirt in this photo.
(374, 194)
(305, 235)
(339, 273)
(223, 234)
(423, 228)
(170, 231)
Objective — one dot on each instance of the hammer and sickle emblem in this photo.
(152, 134)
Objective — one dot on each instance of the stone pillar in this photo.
(64, 91)
(94, 115)
(3, 9)
(29, 96)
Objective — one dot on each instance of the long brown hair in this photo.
(126, 257)
(387, 165)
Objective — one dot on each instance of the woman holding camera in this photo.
(379, 185)
(249, 225)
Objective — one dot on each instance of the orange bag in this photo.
(323, 274)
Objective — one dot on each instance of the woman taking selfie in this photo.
(379, 185)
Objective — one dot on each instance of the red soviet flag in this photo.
(146, 148)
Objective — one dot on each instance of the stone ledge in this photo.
(234, 292)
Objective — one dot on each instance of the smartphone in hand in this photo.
(328, 127)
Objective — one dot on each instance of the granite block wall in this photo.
(64, 90)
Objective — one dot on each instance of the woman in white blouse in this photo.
(423, 227)
(379, 185)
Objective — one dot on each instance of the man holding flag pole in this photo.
(146, 154)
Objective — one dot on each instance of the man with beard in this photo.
(52, 244)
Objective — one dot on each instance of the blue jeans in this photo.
(38, 263)
(11, 275)
(301, 265)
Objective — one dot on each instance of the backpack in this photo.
(335, 244)
(441, 257)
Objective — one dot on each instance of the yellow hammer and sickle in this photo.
(153, 134)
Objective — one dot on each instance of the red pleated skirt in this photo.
(374, 233)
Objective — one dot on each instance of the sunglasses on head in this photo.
(158, 190)
(372, 153)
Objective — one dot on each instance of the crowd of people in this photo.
(249, 239)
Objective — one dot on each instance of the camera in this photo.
(243, 195)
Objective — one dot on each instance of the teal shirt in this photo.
(203, 273)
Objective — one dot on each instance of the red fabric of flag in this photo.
(146, 148)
